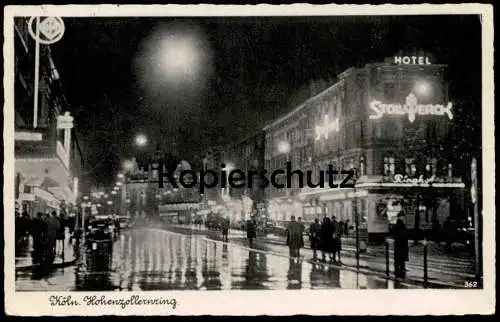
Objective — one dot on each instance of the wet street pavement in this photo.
(152, 259)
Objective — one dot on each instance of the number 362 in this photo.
(470, 284)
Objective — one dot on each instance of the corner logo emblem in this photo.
(50, 29)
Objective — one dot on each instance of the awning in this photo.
(51, 200)
(35, 170)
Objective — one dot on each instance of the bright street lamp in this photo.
(121, 176)
(141, 140)
(119, 183)
(128, 165)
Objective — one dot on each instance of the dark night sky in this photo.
(258, 68)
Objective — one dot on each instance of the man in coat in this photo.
(225, 229)
(53, 230)
(400, 247)
(294, 237)
(315, 237)
(251, 231)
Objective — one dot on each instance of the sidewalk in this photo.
(25, 262)
(444, 270)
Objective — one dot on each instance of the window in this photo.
(431, 166)
(389, 166)
(362, 166)
(389, 92)
(410, 168)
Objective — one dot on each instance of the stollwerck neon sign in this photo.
(411, 107)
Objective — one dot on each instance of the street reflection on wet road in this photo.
(153, 259)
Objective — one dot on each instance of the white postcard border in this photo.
(343, 302)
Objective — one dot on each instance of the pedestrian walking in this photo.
(327, 242)
(38, 231)
(315, 237)
(302, 230)
(449, 233)
(337, 239)
(61, 235)
(294, 238)
(53, 228)
(225, 229)
(251, 231)
(400, 247)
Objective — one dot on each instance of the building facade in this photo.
(244, 199)
(391, 123)
(48, 156)
(170, 203)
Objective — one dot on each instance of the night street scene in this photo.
(248, 153)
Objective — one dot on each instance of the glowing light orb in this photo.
(141, 140)
(422, 88)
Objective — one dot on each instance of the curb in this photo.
(54, 266)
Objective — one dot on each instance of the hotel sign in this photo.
(327, 127)
(412, 60)
(411, 107)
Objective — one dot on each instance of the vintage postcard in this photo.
(249, 160)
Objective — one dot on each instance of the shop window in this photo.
(431, 166)
(389, 166)
(410, 168)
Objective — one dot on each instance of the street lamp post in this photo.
(356, 216)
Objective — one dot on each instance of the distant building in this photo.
(243, 200)
(49, 160)
(170, 203)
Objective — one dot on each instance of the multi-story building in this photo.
(173, 203)
(362, 122)
(244, 199)
(391, 122)
(48, 156)
(287, 140)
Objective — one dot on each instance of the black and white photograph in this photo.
(222, 152)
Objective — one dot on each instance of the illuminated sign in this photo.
(65, 121)
(327, 127)
(412, 60)
(399, 178)
(411, 107)
(27, 136)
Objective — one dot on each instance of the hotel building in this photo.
(390, 121)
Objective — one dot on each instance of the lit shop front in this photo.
(178, 213)
(44, 180)
(282, 209)
(425, 203)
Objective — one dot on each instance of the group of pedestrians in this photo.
(326, 237)
(48, 234)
